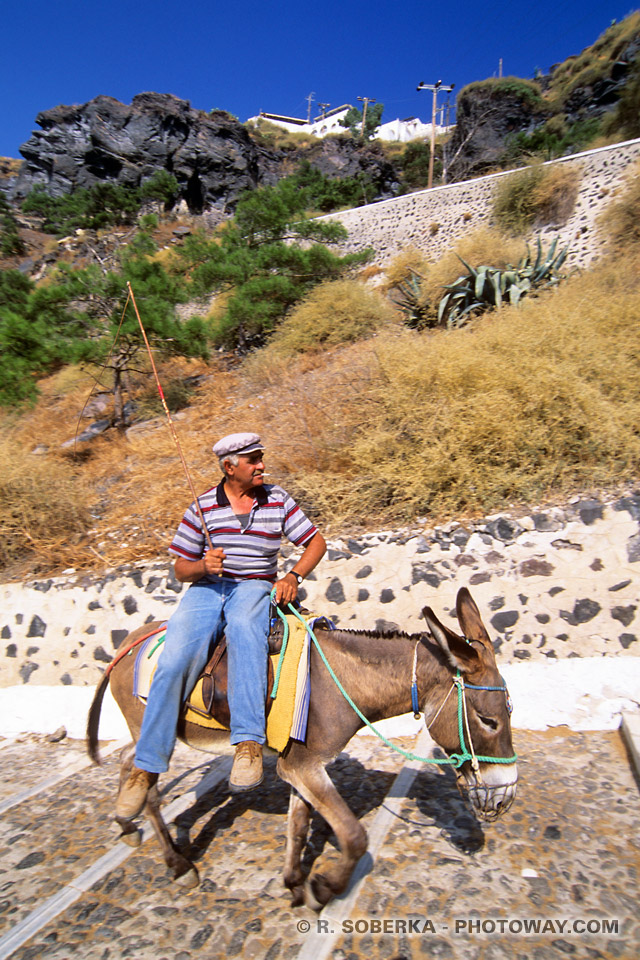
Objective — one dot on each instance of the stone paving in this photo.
(568, 850)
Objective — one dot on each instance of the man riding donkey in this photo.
(230, 590)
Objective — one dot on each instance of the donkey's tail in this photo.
(93, 720)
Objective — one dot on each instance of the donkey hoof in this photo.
(127, 831)
(133, 839)
(189, 879)
(297, 895)
(317, 892)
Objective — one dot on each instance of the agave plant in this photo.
(485, 287)
(407, 295)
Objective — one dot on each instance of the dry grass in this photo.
(411, 260)
(595, 61)
(621, 218)
(44, 509)
(277, 138)
(340, 311)
(538, 196)
(527, 404)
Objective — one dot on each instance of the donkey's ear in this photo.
(470, 620)
(460, 654)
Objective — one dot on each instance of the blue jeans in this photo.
(240, 610)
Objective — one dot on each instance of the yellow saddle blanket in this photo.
(288, 715)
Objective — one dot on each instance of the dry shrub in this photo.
(340, 311)
(517, 408)
(554, 196)
(533, 403)
(621, 219)
(410, 261)
(368, 273)
(538, 196)
(44, 508)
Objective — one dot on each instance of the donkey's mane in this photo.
(383, 634)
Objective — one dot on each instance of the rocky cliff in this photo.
(583, 88)
(487, 114)
(212, 156)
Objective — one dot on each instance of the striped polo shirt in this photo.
(251, 548)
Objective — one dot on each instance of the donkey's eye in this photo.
(488, 722)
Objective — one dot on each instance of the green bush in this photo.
(38, 332)
(527, 91)
(409, 296)
(161, 186)
(330, 193)
(102, 205)
(266, 259)
(415, 166)
(553, 139)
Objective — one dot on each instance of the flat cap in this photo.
(238, 443)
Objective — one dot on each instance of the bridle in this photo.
(466, 754)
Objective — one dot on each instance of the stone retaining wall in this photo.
(560, 582)
(432, 220)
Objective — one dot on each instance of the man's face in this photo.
(249, 471)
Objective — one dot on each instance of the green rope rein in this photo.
(455, 759)
(285, 640)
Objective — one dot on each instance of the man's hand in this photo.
(287, 586)
(190, 571)
(286, 589)
(213, 562)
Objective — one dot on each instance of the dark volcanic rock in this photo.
(212, 156)
(602, 93)
(487, 115)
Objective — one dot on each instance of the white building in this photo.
(396, 130)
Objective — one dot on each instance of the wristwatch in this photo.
(298, 576)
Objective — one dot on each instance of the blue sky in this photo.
(270, 56)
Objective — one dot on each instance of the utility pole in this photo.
(434, 87)
(500, 68)
(309, 99)
(366, 101)
(324, 107)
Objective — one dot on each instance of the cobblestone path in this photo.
(566, 857)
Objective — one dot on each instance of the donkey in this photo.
(457, 687)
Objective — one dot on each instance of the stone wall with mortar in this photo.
(432, 220)
(560, 582)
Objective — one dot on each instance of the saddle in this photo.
(207, 705)
(215, 685)
(215, 679)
